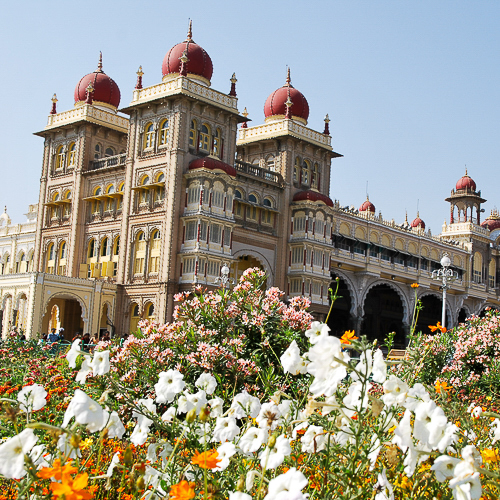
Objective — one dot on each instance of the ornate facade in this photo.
(138, 206)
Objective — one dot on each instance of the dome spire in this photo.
(233, 81)
(288, 79)
(99, 64)
(288, 104)
(190, 32)
(245, 114)
(138, 85)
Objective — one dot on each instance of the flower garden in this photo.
(246, 397)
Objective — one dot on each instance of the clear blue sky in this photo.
(412, 87)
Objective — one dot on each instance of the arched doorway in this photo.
(63, 312)
(384, 313)
(22, 310)
(462, 315)
(243, 263)
(430, 314)
(340, 316)
(136, 316)
(6, 315)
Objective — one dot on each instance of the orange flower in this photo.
(438, 326)
(207, 459)
(348, 336)
(57, 470)
(72, 489)
(414, 285)
(182, 491)
(442, 386)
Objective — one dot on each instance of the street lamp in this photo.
(446, 276)
(224, 278)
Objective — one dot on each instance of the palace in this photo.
(142, 202)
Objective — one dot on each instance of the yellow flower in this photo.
(490, 455)
(414, 285)
(442, 386)
(86, 443)
(207, 459)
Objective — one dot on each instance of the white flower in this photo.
(284, 407)
(403, 433)
(364, 366)
(292, 361)
(100, 363)
(465, 484)
(225, 429)
(216, 407)
(225, 451)
(269, 416)
(73, 353)
(198, 400)
(169, 384)
(252, 475)
(325, 365)
(140, 432)
(414, 455)
(65, 447)
(40, 456)
(317, 331)
(383, 488)
(444, 466)
(154, 478)
(331, 404)
(206, 383)
(495, 431)
(287, 486)
(114, 462)
(85, 371)
(416, 395)
(270, 458)
(169, 415)
(470, 454)
(447, 437)
(12, 454)
(86, 412)
(353, 402)
(245, 405)
(395, 391)
(239, 495)
(252, 440)
(115, 426)
(430, 422)
(375, 447)
(476, 412)
(32, 398)
(379, 368)
(313, 440)
(143, 422)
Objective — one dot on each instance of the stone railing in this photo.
(283, 127)
(256, 171)
(89, 113)
(110, 161)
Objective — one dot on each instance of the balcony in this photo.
(256, 171)
(110, 161)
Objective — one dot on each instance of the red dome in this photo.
(492, 222)
(105, 88)
(367, 206)
(275, 103)
(466, 182)
(199, 62)
(313, 196)
(212, 164)
(418, 222)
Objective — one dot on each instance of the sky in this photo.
(411, 87)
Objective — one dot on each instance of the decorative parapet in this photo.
(185, 86)
(281, 128)
(90, 114)
(464, 227)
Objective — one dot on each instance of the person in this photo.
(53, 337)
(43, 340)
(86, 342)
(106, 337)
(61, 334)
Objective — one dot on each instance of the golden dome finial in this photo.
(288, 79)
(190, 31)
(99, 64)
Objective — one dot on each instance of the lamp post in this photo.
(446, 276)
(224, 280)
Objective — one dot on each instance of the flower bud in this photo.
(191, 416)
(127, 456)
(74, 441)
(140, 468)
(204, 414)
(104, 433)
(272, 441)
(140, 483)
(240, 485)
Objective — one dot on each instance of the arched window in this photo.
(140, 253)
(148, 136)
(306, 172)
(253, 199)
(478, 268)
(71, 155)
(49, 268)
(54, 211)
(267, 202)
(163, 138)
(91, 249)
(192, 134)
(134, 318)
(144, 193)
(19, 263)
(109, 152)
(154, 261)
(204, 142)
(492, 273)
(114, 258)
(116, 246)
(97, 152)
(160, 187)
(96, 203)
(105, 247)
(150, 311)
(217, 149)
(119, 200)
(67, 203)
(61, 268)
(237, 194)
(60, 158)
(270, 162)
